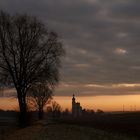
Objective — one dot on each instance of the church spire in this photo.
(73, 98)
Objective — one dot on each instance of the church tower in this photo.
(73, 104)
(76, 108)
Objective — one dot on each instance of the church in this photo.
(76, 108)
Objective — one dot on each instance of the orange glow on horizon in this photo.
(106, 103)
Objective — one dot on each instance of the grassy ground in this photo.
(124, 123)
(57, 131)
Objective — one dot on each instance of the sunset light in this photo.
(70, 69)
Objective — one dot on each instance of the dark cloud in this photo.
(101, 40)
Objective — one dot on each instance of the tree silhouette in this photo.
(56, 109)
(39, 96)
(29, 53)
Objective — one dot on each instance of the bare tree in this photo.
(29, 53)
(39, 96)
(56, 109)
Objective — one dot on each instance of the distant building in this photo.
(76, 108)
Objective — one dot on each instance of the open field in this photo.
(44, 130)
(125, 123)
(123, 126)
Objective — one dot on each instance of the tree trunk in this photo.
(40, 114)
(23, 119)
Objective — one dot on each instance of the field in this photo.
(122, 126)
(122, 123)
(60, 132)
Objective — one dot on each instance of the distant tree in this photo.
(90, 111)
(99, 111)
(55, 106)
(56, 109)
(29, 54)
(39, 96)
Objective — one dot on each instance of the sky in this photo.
(105, 103)
(101, 39)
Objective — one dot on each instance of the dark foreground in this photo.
(57, 131)
(122, 123)
(124, 126)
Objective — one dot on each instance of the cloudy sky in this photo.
(101, 38)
